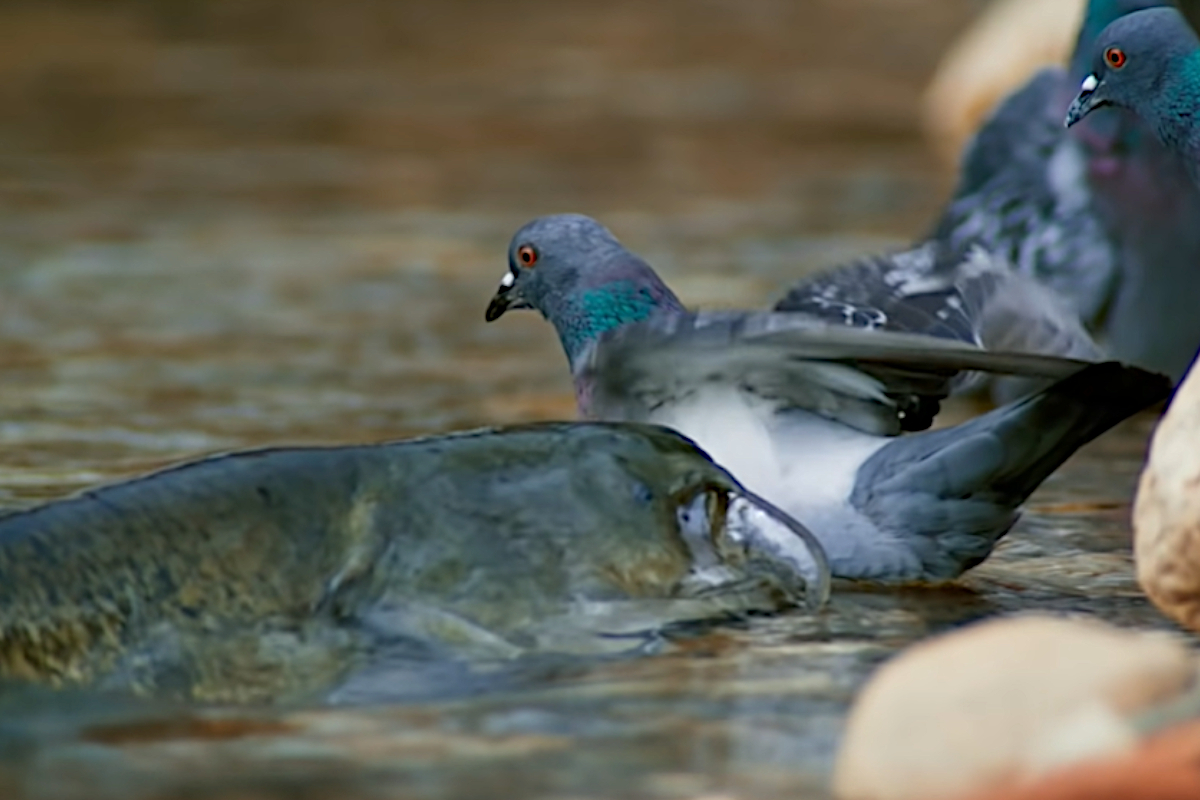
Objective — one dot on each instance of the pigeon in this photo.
(1143, 191)
(808, 411)
(1099, 216)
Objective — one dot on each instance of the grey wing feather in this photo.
(1022, 132)
(1013, 313)
(915, 291)
(879, 381)
(972, 296)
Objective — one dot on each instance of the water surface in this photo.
(228, 225)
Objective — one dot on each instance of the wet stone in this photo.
(1166, 516)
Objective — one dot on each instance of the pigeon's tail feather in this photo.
(960, 487)
(1039, 433)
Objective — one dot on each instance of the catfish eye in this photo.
(1115, 57)
(527, 255)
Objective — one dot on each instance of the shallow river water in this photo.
(227, 225)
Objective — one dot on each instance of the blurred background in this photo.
(232, 223)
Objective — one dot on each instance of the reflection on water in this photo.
(223, 225)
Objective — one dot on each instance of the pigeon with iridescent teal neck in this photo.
(806, 409)
(1149, 204)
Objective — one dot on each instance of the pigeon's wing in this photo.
(1023, 209)
(914, 291)
(1018, 258)
(1023, 195)
(1010, 312)
(970, 296)
(876, 380)
(943, 499)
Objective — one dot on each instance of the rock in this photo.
(1165, 768)
(1000, 701)
(1166, 513)
(1009, 42)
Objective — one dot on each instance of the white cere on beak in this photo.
(1089, 84)
(508, 280)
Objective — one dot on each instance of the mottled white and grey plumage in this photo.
(966, 294)
(1024, 196)
(1022, 208)
(875, 380)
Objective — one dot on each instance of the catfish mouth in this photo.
(720, 523)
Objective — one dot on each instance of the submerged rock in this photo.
(273, 574)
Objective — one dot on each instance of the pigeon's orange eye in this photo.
(1115, 57)
(527, 255)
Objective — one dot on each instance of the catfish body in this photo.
(267, 560)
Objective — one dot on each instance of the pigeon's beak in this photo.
(506, 297)
(1089, 99)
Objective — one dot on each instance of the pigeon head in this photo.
(1097, 16)
(582, 280)
(1149, 63)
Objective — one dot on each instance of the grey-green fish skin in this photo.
(500, 528)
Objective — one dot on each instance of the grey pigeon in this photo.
(1142, 189)
(1102, 216)
(806, 410)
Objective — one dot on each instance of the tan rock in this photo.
(1009, 42)
(1166, 514)
(1165, 768)
(1001, 701)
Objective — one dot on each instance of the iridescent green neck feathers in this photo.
(590, 313)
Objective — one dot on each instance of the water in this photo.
(227, 225)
